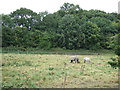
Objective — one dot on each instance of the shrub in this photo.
(115, 62)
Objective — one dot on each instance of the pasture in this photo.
(56, 71)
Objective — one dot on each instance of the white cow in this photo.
(86, 59)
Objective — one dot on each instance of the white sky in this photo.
(8, 6)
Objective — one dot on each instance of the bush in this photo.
(115, 62)
(45, 45)
(117, 47)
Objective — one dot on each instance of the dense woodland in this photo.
(71, 28)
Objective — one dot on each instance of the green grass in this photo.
(21, 50)
(48, 71)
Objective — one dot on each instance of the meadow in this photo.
(25, 70)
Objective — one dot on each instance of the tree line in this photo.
(71, 27)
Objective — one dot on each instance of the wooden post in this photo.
(65, 78)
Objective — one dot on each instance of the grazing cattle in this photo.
(86, 59)
(74, 59)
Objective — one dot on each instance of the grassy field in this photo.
(56, 71)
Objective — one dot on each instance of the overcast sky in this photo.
(8, 6)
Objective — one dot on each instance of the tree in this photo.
(24, 17)
(69, 30)
(39, 23)
(115, 44)
(68, 8)
(7, 33)
(107, 29)
(7, 21)
(51, 22)
(91, 36)
(42, 15)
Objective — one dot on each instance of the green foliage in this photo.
(115, 44)
(24, 17)
(17, 64)
(115, 62)
(69, 28)
(91, 35)
(68, 8)
(51, 68)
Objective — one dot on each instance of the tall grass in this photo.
(21, 50)
(54, 70)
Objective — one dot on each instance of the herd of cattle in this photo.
(76, 59)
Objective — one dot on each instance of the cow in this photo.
(74, 59)
(86, 59)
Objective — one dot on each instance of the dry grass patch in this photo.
(47, 71)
